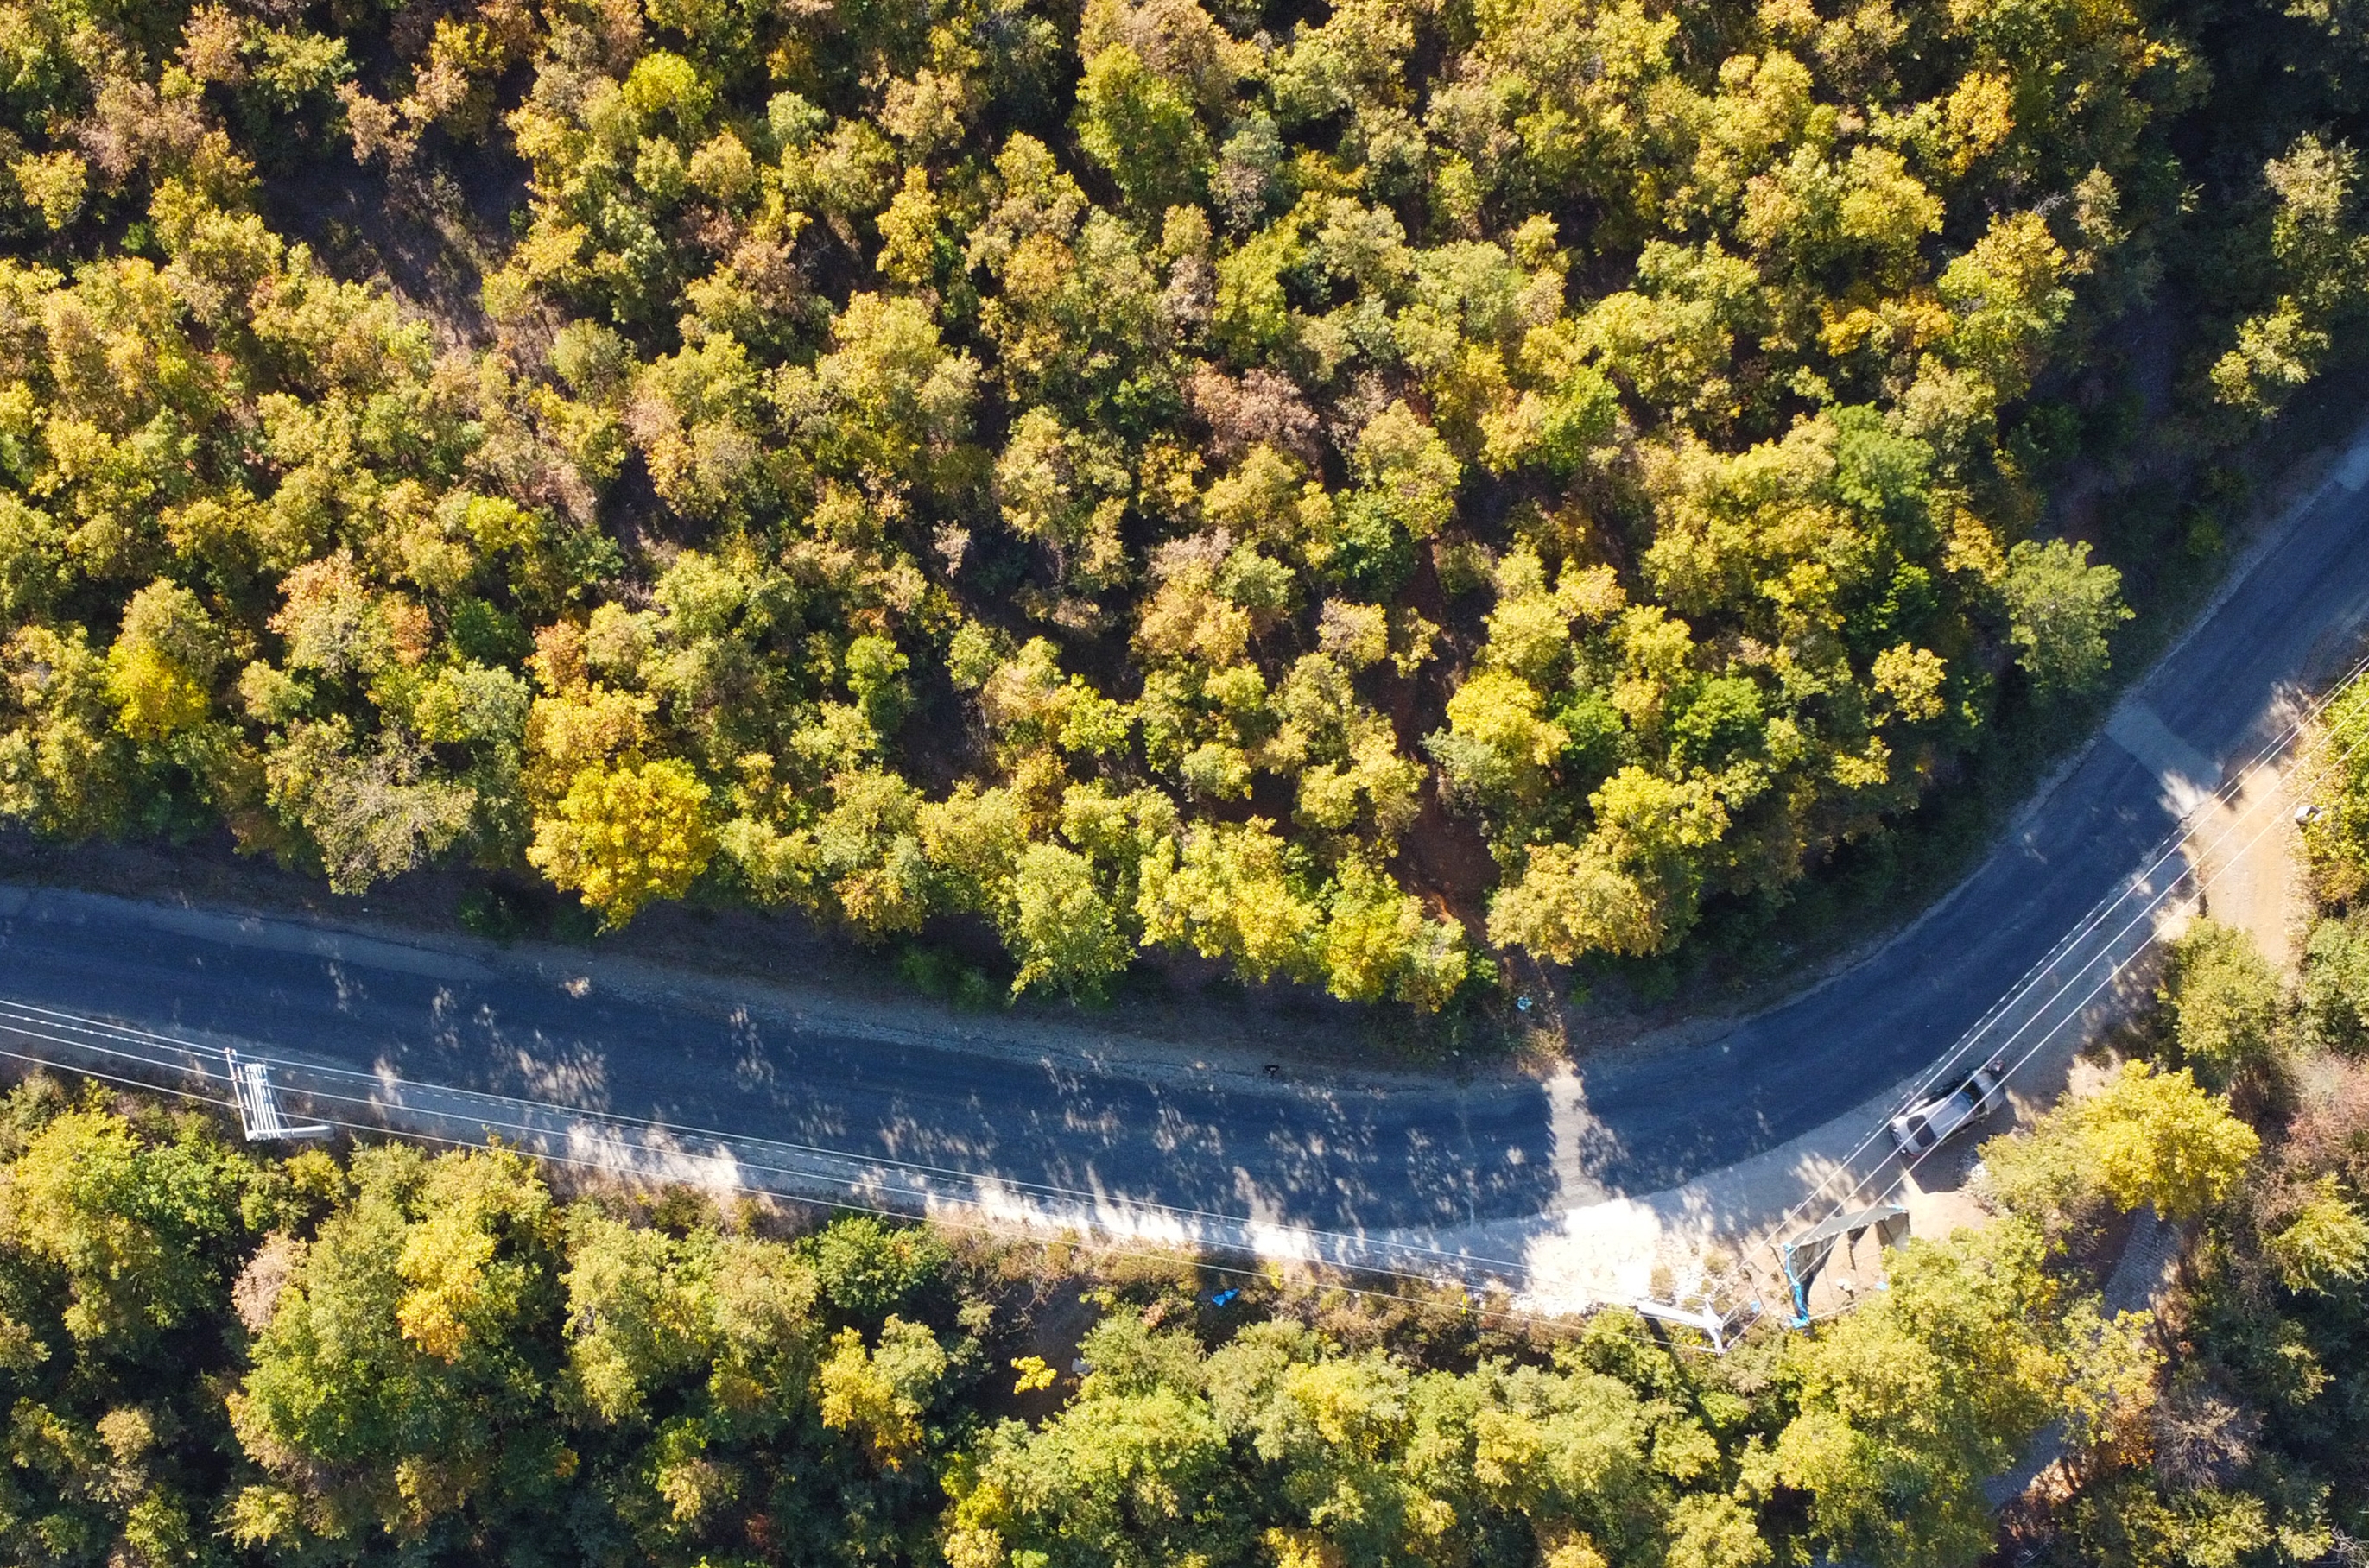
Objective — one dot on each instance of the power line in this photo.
(58, 1018)
(2170, 848)
(921, 1180)
(1471, 1304)
(2320, 768)
(1346, 1249)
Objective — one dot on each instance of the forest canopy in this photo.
(1337, 491)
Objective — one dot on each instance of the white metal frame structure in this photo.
(258, 1105)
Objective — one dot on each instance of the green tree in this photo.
(141, 1231)
(2322, 262)
(2060, 611)
(2324, 1245)
(879, 1395)
(1065, 931)
(371, 810)
(2155, 1137)
(2147, 1138)
(397, 1389)
(1231, 895)
(1907, 1404)
(2224, 1001)
(1139, 126)
(1379, 942)
(162, 664)
(2336, 838)
(2336, 986)
(868, 1270)
(1117, 1479)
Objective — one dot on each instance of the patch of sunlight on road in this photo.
(1000, 1204)
(1265, 1232)
(653, 1154)
(1604, 1252)
(1600, 1248)
(1575, 1133)
(2187, 776)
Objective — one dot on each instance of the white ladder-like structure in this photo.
(258, 1105)
(1721, 1323)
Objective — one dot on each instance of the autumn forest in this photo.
(1347, 493)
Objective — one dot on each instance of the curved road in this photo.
(1361, 1158)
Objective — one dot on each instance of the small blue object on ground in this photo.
(1223, 1297)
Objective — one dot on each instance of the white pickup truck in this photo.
(1928, 1122)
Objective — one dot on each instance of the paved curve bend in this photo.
(1361, 1161)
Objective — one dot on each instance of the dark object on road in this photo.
(1923, 1126)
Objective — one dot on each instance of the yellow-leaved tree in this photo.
(625, 835)
(2155, 1137)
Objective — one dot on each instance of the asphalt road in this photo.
(1355, 1158)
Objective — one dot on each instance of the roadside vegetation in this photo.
(1349, 493)
(385, 1354)
(2243, 1426)
(212, 1356)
